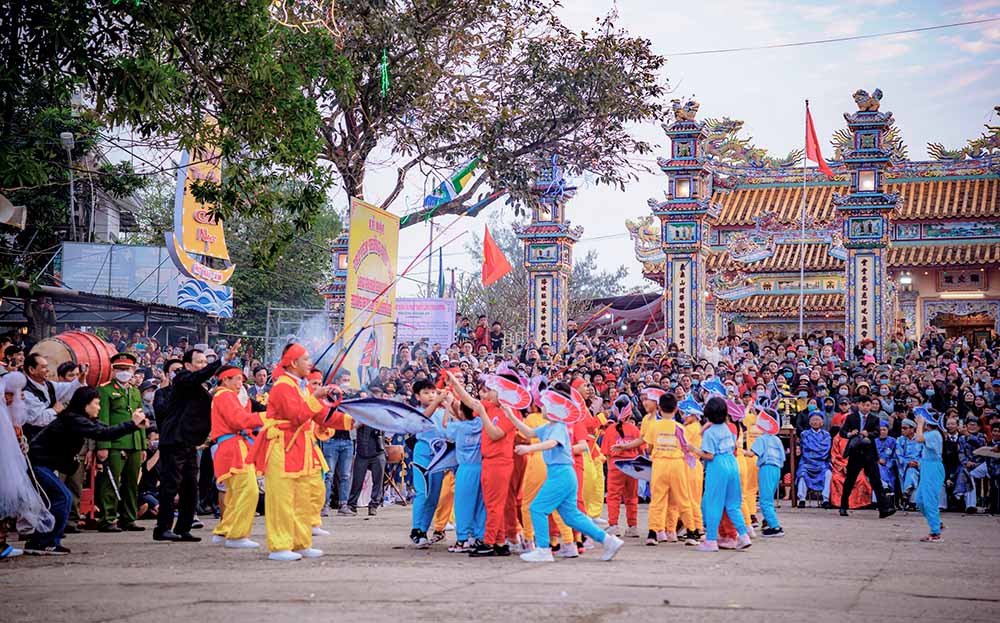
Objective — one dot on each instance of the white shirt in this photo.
(38, 413)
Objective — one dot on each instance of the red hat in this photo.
(315, 375)
(228, 372)
(577, 382)
(294, 352)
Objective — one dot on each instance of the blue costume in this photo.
(470, 512)
(931, 479)
(814, 471)
(965, 486)
(770, 457)
(908, 450)
(558, 493)
(887, 452)
(426, 492)
(722, 482)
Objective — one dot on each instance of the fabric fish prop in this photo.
(640, 468)
(453, 185)
(508, 392)
(443, 458)
(736, 410)
(535, 387)
(621, 409)
(506, 368)
(387, 416)
(652, 393)
(691, 407)
(685, 448)
(714, 386)
(581, 403)
(561, 407)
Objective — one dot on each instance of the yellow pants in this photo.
(289, 505)
(446, 503)
(749, 503)
(696, 484)
(750, 486)
(669, 485)
(241, 506)
(534, 478)
(593, 486)
(317, 493)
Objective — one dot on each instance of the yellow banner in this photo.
(371, 268)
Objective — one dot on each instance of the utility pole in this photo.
(66, 138)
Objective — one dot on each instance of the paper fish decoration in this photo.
(387, 416)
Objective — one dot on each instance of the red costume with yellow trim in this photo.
(232, 429)
(287, 455)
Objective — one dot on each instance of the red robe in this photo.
(861, 495)
(233, 423)
(291, 412)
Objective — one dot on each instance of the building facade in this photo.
(887, 247)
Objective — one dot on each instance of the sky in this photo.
(941, 86)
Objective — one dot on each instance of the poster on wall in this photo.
(370, 301)
(432, 320)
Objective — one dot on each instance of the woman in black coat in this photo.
(55, 449)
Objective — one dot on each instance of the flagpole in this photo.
(802, 235)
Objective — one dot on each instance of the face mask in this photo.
(153, 445)
(930, 392)
(696, 382)
(173, 373)
(843, 392)
(148, 397)
(761, 392)
(828, 408)
(812, 408)
(803, 394)
(788, 375)
(842, 380)
(123, 376)
(884, 391)
(210, 359)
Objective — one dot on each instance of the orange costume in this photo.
(232, 428)
(861, 496)
(287, 455)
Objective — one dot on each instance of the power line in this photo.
(835, 39)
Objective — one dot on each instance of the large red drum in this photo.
(79, 347)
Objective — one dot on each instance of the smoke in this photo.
(315, 333)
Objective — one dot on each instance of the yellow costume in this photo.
(642, 434)
(748, 477)
(743, 465)
(669, 482)
(593, 474)
(445, 511)
(232, 423)
(695, 480)
(534, 477)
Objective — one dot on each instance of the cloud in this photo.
(885, 48)
(971, 45)
(816, 12)
(844, 27)
(964, 80)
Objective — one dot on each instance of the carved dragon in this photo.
(724, 145)
(986, 145)
(893, 140)
(646, 235)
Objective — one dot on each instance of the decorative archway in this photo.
(991, 308)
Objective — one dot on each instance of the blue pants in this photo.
(909, 479)
(427, 490)
(722, 492)
(60, 499)
(767, 479)
(470, 512)
(558, 493)
(928, 492)
(338, 454)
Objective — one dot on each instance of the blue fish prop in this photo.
(715, 386)
(387, 416)
(443, 458)
(640, 468)
(690, 407)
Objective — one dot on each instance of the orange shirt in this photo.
(234, 423)
(291, 411)
(502, 449)
(630, 432)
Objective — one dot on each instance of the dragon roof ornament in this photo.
(978, 148)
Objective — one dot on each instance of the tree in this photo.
(506, 300)
(503, 80)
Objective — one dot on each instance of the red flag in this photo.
(812, 146)
(495, 264)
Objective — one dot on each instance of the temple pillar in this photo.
(866, 211)
(548, 254)
(908, 311)
(685, 218)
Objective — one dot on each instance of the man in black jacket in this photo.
(185, 426)
(861, 429)
(55, 448)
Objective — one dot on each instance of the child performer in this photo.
(232, 429)
(931, 470)
(650, 401)
(770, 457)
(317, 487)
(622, 489)
(470, 513)
(722, 478)
(285, 452)
(427, 490)
(534, 477)
(560, 488)
(497, 447)
(696, 479)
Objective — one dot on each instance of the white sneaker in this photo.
(611, 546)
(539, 554)
(284, 555)
(448, 527)
(317, 531)
(743, 542)
(241, 544)
(671, 537)
(612, 529)
(516, 548)
(661, 536)
(11, 552)
(218, 539)
(309, 552)
(751, 532)
(632, 532)
(566, 550)
(708, 546)
(600, 522)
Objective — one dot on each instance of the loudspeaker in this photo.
(12, 215)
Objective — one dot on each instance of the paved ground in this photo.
(827, 569)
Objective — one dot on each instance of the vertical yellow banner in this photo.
(371, 267)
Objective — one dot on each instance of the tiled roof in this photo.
(785, 304)
(786, 258)
(944, 255)
(931, 199)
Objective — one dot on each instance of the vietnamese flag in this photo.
(812, 146)
(495, 264)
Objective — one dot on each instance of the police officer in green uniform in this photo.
(122, 457)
